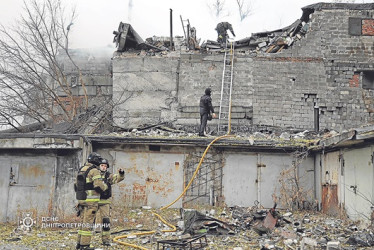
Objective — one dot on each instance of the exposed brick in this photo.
(355, 81)
(368, 27)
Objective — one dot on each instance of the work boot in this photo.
(87, 247)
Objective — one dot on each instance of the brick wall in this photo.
(321, 73)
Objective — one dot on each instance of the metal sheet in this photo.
(270, 174)
(32, 185)
(330, 204)
(239, 180)
(331, 168)
(152, 179)
(252, 177)
(358, 178)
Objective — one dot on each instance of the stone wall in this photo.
(323, 81)
(96, 70)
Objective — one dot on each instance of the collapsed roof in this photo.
(269, 41)
(127, 38)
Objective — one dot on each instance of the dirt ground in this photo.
(294, 230)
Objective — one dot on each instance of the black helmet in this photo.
(208, 91)
(104, 161)
(94, 158)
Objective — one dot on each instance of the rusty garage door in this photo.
(27, 186)
(330, 179)
(152, 179)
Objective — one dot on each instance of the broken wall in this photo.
(323, 72)
(323, 81)
(95, 70)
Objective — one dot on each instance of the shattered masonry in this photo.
(319, 64)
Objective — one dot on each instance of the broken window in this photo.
(355, 26)
(368, 79)
(73, 81)
(361, 27)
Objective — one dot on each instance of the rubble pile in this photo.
(236, 228)
(127, 39)
(269, 41)
(283, 137)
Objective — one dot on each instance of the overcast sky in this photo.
(97, 19)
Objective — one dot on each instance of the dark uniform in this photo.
(94, 186)
(222, 31)
(103, 214)
(205, 108)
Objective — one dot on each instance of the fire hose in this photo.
(116, 239)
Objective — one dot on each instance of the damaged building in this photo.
(289, 85)
(315, 74)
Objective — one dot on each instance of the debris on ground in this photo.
(218, 228)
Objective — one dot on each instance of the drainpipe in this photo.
(258, 178)
(211, 196)
(316, 119)
(171, 29)
(188, 36)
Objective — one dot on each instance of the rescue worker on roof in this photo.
(89, 185)
(222, 31)
(103, 215)
(205, 108)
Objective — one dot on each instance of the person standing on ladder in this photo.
(205, 108)
(222, 31)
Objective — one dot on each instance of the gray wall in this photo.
(37, 181)
(348, 174)
(40, 180)
(322, 71)
(226, 177)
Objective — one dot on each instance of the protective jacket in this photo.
(94, 183)
(109, 179)
(206, 105)
(223, 27)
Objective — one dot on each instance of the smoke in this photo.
(130, 10)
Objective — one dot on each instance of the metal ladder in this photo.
(224, 118)
(186, 29)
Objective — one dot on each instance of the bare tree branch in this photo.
(218, 8)
(244, 8)
(32, 78)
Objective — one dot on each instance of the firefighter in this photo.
(222, 31)
(89, 185)
(103, 214)
(205, 108)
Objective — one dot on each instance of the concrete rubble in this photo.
(267, 42)
(227, 228)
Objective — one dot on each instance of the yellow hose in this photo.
(116, 239)
(196, 171)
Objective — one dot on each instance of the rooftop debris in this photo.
(126, 37)
(269, 41)
(266, 42)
